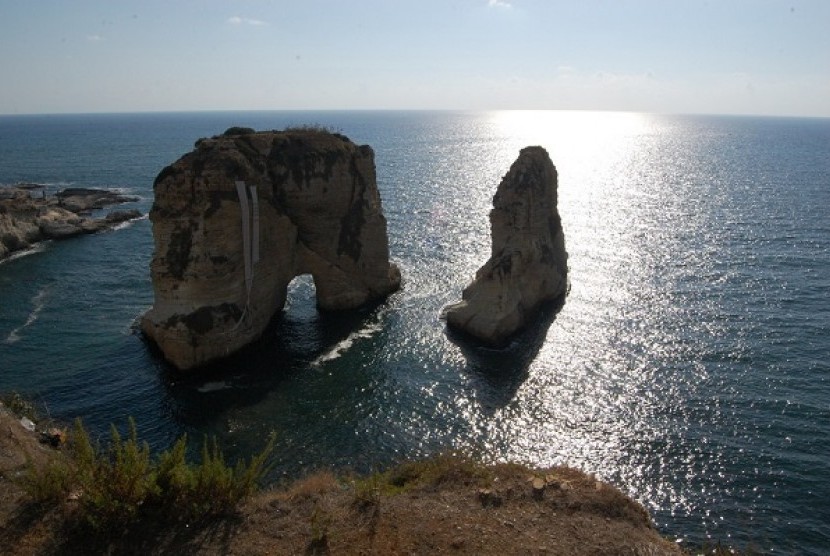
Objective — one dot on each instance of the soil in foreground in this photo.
(445, 505)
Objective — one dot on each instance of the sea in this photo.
(689, 363)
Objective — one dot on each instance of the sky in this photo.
(765, 57)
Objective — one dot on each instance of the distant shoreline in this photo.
(28, 217)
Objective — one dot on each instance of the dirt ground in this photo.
(441, 507)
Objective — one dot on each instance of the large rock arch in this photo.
(235, 220)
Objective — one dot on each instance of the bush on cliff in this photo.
(108, 489)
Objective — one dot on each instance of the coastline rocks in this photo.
(81, 200)
(235, 220)
(28, 216)
(528, 264)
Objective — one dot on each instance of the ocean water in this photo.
(688, 364)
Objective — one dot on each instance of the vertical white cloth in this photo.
(254, 225)
(242, 192)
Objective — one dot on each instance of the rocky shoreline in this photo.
(28, 215)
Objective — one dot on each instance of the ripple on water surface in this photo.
(687, 364)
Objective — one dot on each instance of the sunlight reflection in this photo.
(588, 398)
(577, 126)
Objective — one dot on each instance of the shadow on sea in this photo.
(288, 345)
(500, 372)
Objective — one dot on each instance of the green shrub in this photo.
(121, 484)
(309, 128)
(115, 482)
(175, 475)
(49, 485)
(19, 406)
(210, 487)
(367, 491)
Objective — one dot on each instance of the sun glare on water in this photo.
(588, 396)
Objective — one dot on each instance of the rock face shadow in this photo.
(245, 378)
(500, 372)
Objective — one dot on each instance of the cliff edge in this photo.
(436, 506)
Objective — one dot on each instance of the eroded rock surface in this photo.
(528, 265)
(81, 199)
(235, 220)
(28, 216)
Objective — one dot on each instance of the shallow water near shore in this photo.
(687, 365)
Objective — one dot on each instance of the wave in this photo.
(36, 248)
(214, 386)
(128, 223)
(38, 302)
(343, 346)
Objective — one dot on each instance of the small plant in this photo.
(435, 471)
(116, 486)
(239, 130)
(311, 128)
(320, 523)
(367, 491)
(174, 475)
(49, 485)
(52, 483)
(117, 481)
(19, 406)
(212, 487)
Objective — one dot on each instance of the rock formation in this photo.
(27, 218)
(81, 200)
(235, 220)
(528, 264)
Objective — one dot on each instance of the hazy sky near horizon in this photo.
(690, 56)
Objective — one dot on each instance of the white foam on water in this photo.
(344, 345)
(213, 386)
(36, 248)
(128, 223)
(38, 302)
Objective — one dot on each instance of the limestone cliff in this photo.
(528, 264)
(235, 220)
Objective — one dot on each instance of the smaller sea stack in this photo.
(528, 265)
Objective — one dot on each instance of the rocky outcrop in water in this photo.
(528, 265)
(28, 216)
(238, 218)
(82, 200)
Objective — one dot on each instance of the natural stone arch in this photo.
(296, 292)
(242, 215)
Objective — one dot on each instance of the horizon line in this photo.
(448, 110)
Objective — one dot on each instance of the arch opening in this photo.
(301, 299)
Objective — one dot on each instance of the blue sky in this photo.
(676, 56)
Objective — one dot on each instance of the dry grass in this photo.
(448, 504)
(445, 504)
(313, 486)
